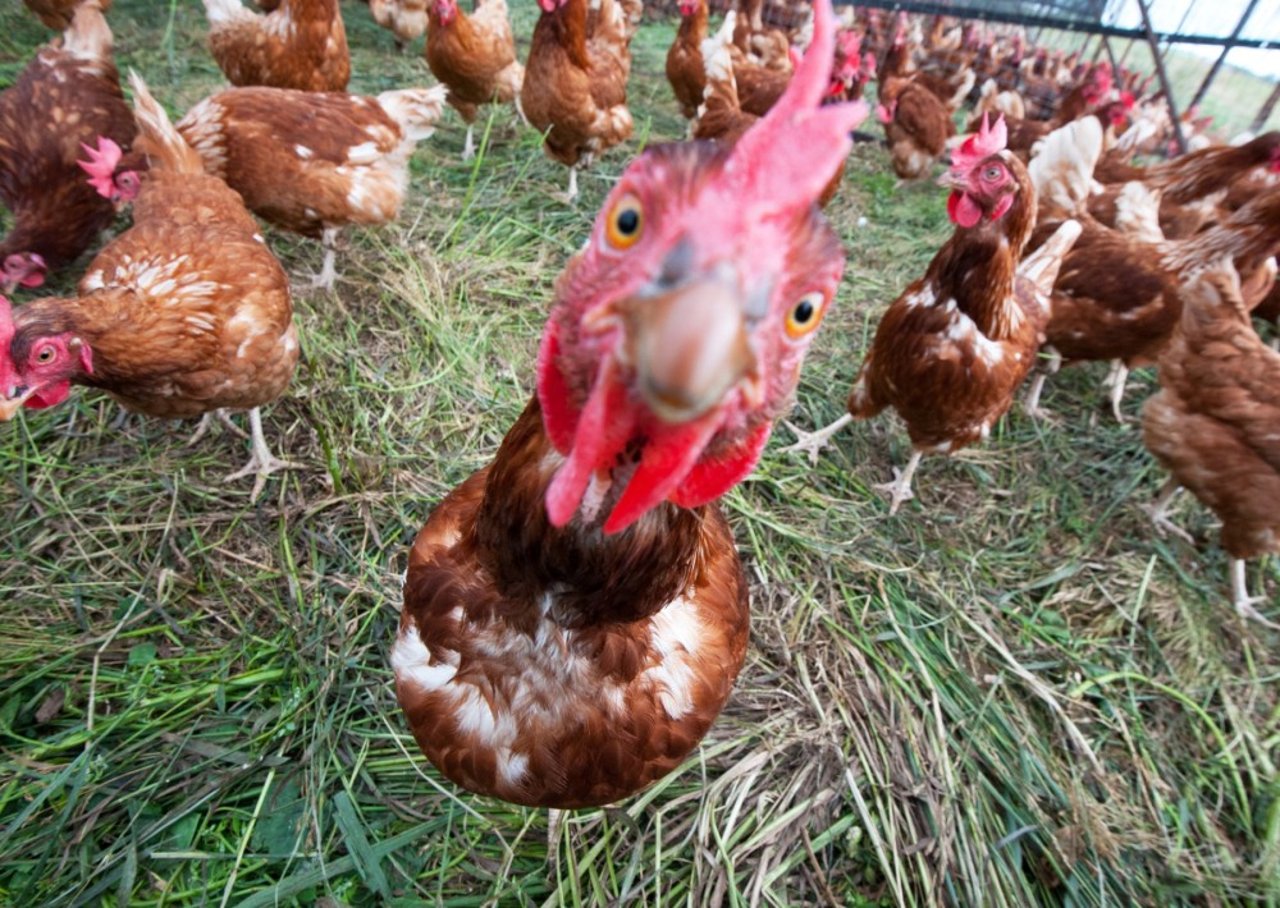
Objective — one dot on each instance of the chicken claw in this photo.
(262, 463)
(900, 489)
(1243, 601)
(813, 442)
(206, 423)
(1158, 511)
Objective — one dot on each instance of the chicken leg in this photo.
(324, 280)
(900, 489)
(1158, 511)
(1116, 379)
(813, 442)
(1242, 600)
(206, 423)
(262, 463)
(469, 146)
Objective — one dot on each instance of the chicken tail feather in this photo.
(417, 110)
(157, 138)
(1043, 265)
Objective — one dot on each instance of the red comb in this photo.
(985, 142)
(102, 164)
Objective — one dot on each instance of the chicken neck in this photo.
(596, 578)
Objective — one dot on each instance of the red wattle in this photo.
(963, 210)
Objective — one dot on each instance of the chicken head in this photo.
(37, 364)
(101, 167)
(981, 178)
(678, 331)
(23, 269)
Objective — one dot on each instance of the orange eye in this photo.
(45, 355)
(625, 223)
(805, 315)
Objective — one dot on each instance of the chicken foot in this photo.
(900, 489)
(324, 280)
(262, 463)
(1115, 380)
(813, 442)
(1158, 511)
(1242, 600)
(469, 145)
(1031, 403)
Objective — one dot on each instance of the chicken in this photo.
(1213, 422)
(406, 19)
(314, 162)
(1192, 184)
(720, 115)
(993, 102)
(1116, 297)
(185, 313)
(68, 95)
(475, 56)
(575, 613)
(916, 126)
(950, 352)
(721, 119)
(575, 87)
(685, 68)
(759, 86)
(301, 44)
(57, 14)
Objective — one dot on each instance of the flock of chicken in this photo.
(575, 614)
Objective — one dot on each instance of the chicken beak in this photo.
(952, 180)
(689, 347)
(12, 402)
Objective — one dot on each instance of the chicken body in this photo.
(66, 96)
(1213, 422)
(575, 86)
(916, 126)
(951, 351)
(685, 68)
(185, 313)
(575, 614)
(475, 56)
(301, 44)
(406, 19)
(313, 162)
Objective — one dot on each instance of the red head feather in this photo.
(102, 164)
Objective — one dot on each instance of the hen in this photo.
(1213, 422)
(301, 44)
(57, 14)
(685, 68)
(575, 613)
(575, 87)
(475, 56)
(313, 162)
(68, 95)
(406, 19)
(185, 313)
(916, 124)
(950, 352)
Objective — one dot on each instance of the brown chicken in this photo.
(314, 162)
(951, 351)
(57, 14)
(575, 613)
(301, 44)
(185, 313)
(685, 68)
(575, 87)
(406, 19)
(916, 126)
(1213, 424)
(475, 56)
(68, 95)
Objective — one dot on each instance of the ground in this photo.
(1010, 693)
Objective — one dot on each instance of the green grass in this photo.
(1011, 693)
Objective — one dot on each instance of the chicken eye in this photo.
(45, 355)
(625, 223)
(991, 174)
(805, 315)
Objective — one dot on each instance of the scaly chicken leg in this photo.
(812, 443)
(1242, 600)
(262, 463)
(900, 489)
